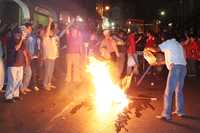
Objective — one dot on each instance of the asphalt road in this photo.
(51, 112)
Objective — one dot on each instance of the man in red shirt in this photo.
(150, 42)
(73, 55)
(132, 56)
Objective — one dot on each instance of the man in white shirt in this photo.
(176, 64)
(49, 54)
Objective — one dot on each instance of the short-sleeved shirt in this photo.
(74, 44)
(50, 48)
(174, 53)
(15, 57)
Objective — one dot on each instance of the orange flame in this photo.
(109, 97)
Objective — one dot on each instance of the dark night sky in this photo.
(141, 9)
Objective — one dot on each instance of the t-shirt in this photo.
(74, 44)
(15, 57)
(174, 53)
(150, 42)
(50, 48)
(132, 44)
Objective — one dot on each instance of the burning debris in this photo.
(110, 99)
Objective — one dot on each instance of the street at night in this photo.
(49, 112)
(99, 66)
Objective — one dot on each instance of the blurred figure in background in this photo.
(73, 54)
(150, 41)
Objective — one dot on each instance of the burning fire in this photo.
(109, 97)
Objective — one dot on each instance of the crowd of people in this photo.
(28, 55)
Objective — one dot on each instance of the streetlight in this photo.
(107, 8)
(162, 13)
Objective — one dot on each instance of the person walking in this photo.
(176, 64)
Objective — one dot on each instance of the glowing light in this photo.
(107, 8)
(162, 13)
(170, 24)
(79, 19)
(129, 30)
(109, 97)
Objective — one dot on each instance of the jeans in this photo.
(2, 74)
(15, 76)
(35, 66)
(48, 72)
(27, 76)
(175, 83)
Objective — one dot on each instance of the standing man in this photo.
(176, 64)
(27, 67)
(73, 56)
(15, 62)
(49, 54)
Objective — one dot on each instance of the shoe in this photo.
(179, 114)
(23, 91)
(36, 88)
(163, 118)
(9, 101)
(27, 90)
(47, 89)
(52, 86)
(18, 98)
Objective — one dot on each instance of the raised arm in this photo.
(19, 44)
(47, 32)
(153, 49)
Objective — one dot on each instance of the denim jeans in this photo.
(15, 76)
(175, 83)
(27, 77)
(2, 74)
(35, 67)
(48, 72)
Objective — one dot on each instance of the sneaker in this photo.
(52, 86)
(179, 114)
(47, 89)
(23, 91)
(36, 88)
(161, 117)
(28, 90)
(18, 98)
(9, 101)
